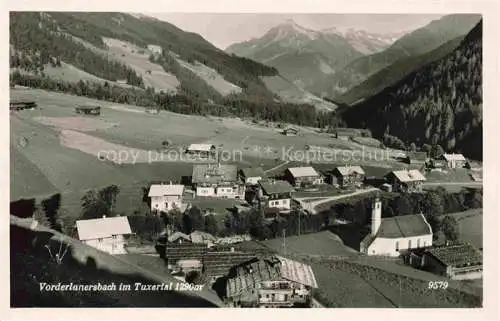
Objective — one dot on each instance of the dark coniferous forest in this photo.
(438, 104)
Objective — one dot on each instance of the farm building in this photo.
(271, 282)
(175, 252)
(153, 110)
(200, 237)
(201, 150)
(88, 110)
(186, 266)
(179, 238)
(252, 175)
(454, 160)
(406, 180)
(155, 49)
(219, 262)
(276, 194)
(394, 235)
(166, 197)
(17, 105)
(303, 176)
(105, 234)
(348, 133)
(217, 180)
(347, 176)
(458, 262)
(419, 158)
(290, 131)
(437, 163)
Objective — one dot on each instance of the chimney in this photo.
(376, 215)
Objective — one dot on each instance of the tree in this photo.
(92, 205)
(40, 217)
(403, 205)
(197, 221)
(413, 147)
(436, 151)
(211, 225)
(108, 196)
(51, 207)
(450, 229)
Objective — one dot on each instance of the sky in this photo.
(224, 29)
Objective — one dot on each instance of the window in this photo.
(397, 245)
(409, 244)
(418, 243)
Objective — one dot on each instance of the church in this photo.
(394, 235)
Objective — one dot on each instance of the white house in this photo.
(303, 176)
(155, 49)
(201, 150)
(217, 180)
(277, 194)
(105, 234)
(454, 160)
(393, 235)
(165, 197)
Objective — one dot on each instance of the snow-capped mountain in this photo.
(364, 41)
(303, 55)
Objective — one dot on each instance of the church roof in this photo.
(404, 226)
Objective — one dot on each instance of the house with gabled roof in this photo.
(419, 158)
(347, 176)
(276, 194)
(457, 261)
(393, 236)
(454, 160)
(271, 282)
(201, 150)
(406, 180)
(252, 175)
(106, 234)
(217, 180)
(165, 197)
(303, 176)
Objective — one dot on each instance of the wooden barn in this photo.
(17, 105)
(88, 110)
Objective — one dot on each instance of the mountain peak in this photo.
(289, 28)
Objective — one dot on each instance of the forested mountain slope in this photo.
(440, 103)
(414, 43)
(41, 39)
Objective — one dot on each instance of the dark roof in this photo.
(276, 187)
(185, 251)
(419, 156)
(219, 263)
(214, 173)
(404, 226)
(458, 255)
(88, 107)
(253, 172)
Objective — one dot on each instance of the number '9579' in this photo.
(438, 285)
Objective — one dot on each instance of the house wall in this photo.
(253, 180)
(409, 187)
(282, 203)
(205, 191)
(111, 245)
(226, 191)
(290, 293)
(455, 164)
(393, 246)
(165, 203)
